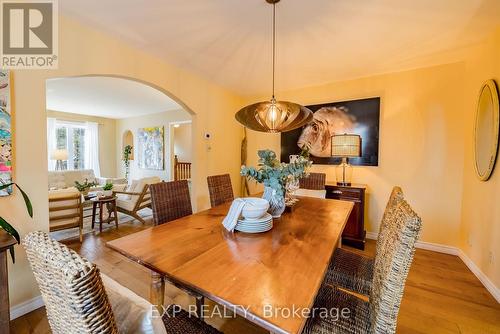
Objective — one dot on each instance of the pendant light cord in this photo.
(274, 42)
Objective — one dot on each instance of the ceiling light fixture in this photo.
(274, 116)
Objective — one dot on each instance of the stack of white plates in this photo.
(262, 224)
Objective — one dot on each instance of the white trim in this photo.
(23, 308)
(488, 284)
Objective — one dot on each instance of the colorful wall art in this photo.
(5, 133)
(150, 149)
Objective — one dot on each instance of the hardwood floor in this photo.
(441, 295)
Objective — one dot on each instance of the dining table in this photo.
(269, 278)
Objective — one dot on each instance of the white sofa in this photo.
(66, 179)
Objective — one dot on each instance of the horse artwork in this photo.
(352, 117)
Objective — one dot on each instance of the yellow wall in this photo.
(480, 229)
(426, 146)
(107, 135)
(84, 51)
(420, 149)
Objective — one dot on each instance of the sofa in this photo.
(66, 179)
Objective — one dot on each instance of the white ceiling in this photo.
(106, 97)
(319, 41)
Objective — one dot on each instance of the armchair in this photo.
(65, 211)
(136, 197)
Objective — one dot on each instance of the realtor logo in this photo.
(29, 34)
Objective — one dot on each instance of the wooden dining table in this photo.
(260, 276)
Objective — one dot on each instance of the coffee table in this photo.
(110, 204)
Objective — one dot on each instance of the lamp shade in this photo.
(60, 154)
(274, 116)
(346, 146)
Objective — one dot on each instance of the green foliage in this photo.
(127, 151)
(273, 173)
(5, 225)
(85, 185)
(108, 186)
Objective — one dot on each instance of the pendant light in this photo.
(274, 116)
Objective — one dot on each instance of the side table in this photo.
(110, 204)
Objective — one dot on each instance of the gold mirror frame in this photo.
(488, 86)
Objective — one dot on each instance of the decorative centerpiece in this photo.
(85, 186)
(275, 175)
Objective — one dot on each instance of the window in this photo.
(71, 136)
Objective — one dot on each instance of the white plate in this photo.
(264, 218)
(237, 228)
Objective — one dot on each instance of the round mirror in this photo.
(486, 130)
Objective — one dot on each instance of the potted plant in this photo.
(127, 151)
(108, 189)
(5, 225)
(275, 175)
(85, 186)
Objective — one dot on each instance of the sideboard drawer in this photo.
(344, 193)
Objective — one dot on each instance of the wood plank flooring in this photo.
(441, 295)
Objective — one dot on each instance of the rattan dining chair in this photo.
(170, 201)
(314, 181)
(352, 271)
(391, 267)
(77, 301)
(220, 189)
(312, 185)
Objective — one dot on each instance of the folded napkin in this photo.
(234, 213)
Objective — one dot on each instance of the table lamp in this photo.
(60, 155)
(345, 146)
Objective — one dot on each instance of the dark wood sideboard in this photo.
(354, 231)
(6, 241)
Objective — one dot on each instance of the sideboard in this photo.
(354, 231)
(6, 242)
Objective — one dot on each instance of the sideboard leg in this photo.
(4, 295)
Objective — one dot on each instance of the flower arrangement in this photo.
(275, 175)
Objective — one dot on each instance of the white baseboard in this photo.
(488, 284)
(26, 307)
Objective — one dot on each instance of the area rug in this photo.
(145, 214)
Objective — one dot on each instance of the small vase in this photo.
(276, 203)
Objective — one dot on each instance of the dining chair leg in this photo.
(157, 290)
(200, 301)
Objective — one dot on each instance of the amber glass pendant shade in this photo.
(274, 116)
